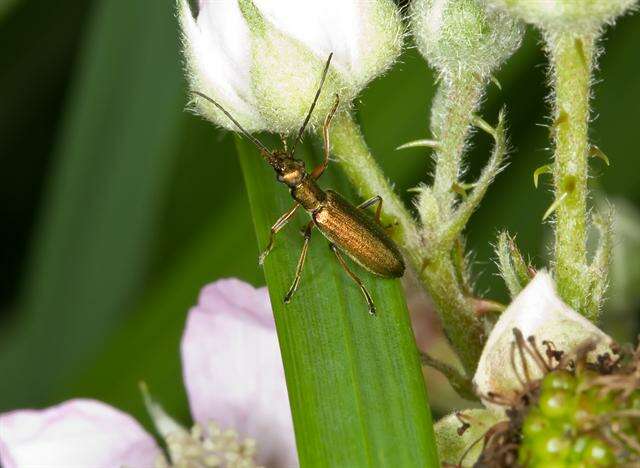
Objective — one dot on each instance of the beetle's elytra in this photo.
(348, 228)
(359, 236)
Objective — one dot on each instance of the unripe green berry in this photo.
(559, 380)
(579, 445)
(565, 426)
(534, 424)
(458, 36)
(598, 453)
(552, 445)
(556, 404)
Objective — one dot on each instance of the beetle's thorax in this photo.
(308, 194)
(303, 187)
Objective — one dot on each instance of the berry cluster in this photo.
(579, 412)
(581, 420)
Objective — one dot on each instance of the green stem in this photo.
(571, 58)
(463, 329)
(456, 310)
(452, 110)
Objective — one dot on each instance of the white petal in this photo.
(233, 371)
(536, 311)
(365, 36)
(218, 59)
(75, 434)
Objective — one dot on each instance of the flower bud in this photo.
(263, 59)
(291, 41)
(285, 75)
(537, 311)
(584, 16)
(217, 59)
(461, 36)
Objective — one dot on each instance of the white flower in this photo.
(75, 434)
(263, 59)
(537, 311)
(234, 379)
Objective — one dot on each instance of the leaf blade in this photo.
(355, 384)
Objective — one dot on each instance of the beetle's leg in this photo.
(370, 202)
(303, 257)
(279, 224)
(318, 170)
(358, 281)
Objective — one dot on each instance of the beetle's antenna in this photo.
(255, 141)
(313, 105)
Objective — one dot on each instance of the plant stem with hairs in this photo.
(571, 58)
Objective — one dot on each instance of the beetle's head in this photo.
(289, 171)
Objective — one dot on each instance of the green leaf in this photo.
(147, 347)
(112, 163)
(355, 385)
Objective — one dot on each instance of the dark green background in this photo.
(117, 206)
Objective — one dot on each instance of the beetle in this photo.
(348, 228)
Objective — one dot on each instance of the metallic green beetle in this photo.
(348, 228)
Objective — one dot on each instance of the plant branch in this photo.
(460, 383)
(450, 231)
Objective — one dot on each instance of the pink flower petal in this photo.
(233, 371)
(74, 434)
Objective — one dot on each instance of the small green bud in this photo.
(461, 36)
(579, 16)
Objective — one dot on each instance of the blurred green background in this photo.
(117, 206)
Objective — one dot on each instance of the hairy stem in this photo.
(438, 276)
(456, 310)
(571, 58)
(453, 108)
